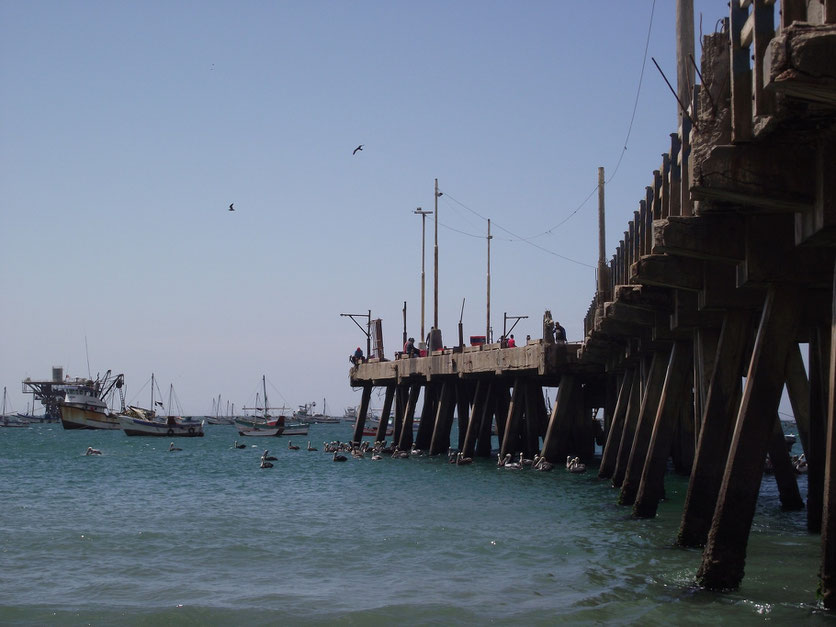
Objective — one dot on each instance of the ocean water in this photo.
(141, 536)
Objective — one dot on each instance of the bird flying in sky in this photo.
(360, 147)
(230, 206)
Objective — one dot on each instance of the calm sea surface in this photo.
(141, 536)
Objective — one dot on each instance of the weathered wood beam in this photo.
(440, 441)
(674, 394)
(644, 427)
(761, 177)
(716, 431)
(380, 436)
(512, 423)
(668, 271)
(610, 453)
(625, 445)
(725, 553)
(360, 422)
(828, 538)
(716, 237)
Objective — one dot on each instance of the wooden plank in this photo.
(555, 445)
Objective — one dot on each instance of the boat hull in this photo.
(141, 427)
(73, 417)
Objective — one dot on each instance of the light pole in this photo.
(435, 286)
(423, 214)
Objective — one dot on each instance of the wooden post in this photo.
(385, 412)
(798, 390)
(644, 427)
(725, 554)
(828, 536)
(484, 440)
(401, 402)
(816, 456)
(512, 422)
(477, 410)
(625, 445)
(652, 487)
(424, 435)
(784, 471)
(741, 76)
(608, 457)
(464, 399)
(555, 444)
(361, 416)
(440, 441)
(531, 434)
(405, 441)
(717, 425)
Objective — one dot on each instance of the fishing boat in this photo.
(84, 405)
(145, 422)
(264, 425)
(350, 414)
(10, 420)
(371, 427)
(322, 417)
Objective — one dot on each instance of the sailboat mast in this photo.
(152, 393)
(264, 385)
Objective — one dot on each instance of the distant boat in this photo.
(371, 426)
(350, 414)
(145, 422)
(10, 420)
(324, 418)
(84, 405)
(265, 425)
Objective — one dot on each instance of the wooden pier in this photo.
(725, 270)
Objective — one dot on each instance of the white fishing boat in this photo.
(10, 420)
(145, 422)
(85, 403)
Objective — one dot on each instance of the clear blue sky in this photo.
(127, 128)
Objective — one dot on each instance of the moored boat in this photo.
(84, 405)
(10, 420)
(264, 425)
(139, 421)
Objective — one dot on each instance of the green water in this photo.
(141, 536)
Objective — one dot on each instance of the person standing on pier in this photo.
(512, 342)
(559, 333)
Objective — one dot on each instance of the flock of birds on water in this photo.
(380, 449)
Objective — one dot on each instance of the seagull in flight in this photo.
(360, 147)
(230, 206)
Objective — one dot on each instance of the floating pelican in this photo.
(172, 448)
(265, 464)
(236, 445)
(339, 458)
(310, 448)
(92, 451)
(268, 458)
(292, 446)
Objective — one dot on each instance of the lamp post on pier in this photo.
(423, 214)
